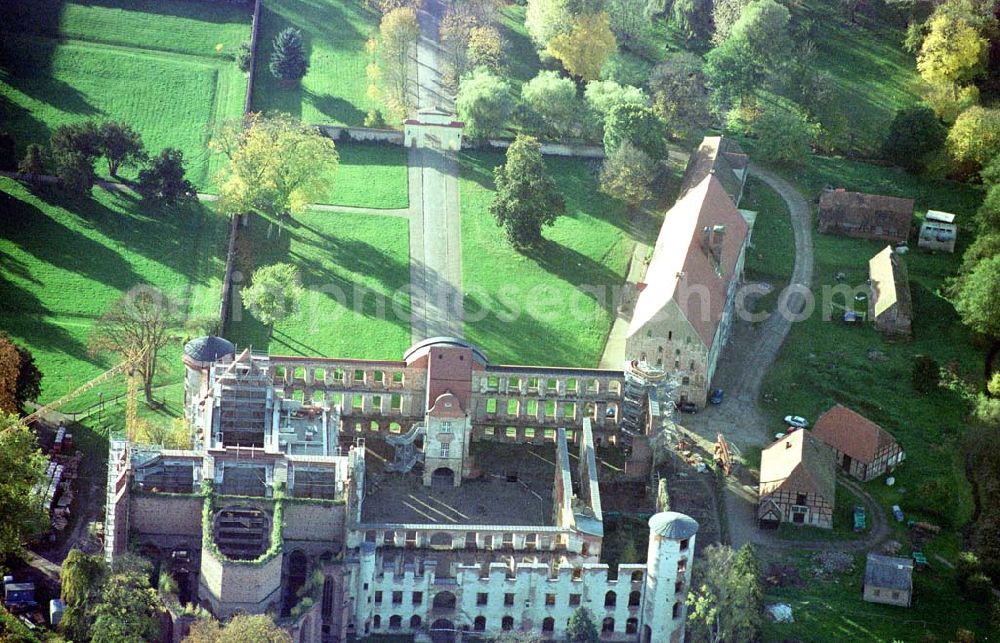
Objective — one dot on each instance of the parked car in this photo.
(797, 421)
(859, 518)
(897, 513)
(716, 396)
(686, 407)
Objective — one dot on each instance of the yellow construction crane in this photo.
(55, 405)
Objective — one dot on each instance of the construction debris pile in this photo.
(55, 492)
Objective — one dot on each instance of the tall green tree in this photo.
(544, 19)
(163, 179)
(725, 14)
(581, 627)
(32, 166)
(551, 104)
(243, 627)
(693, 18)
(484, 103)
(680, 97)
(526, 196)
(82, 578)
(725, 598)
(978, 301)
(914, 133)
(120, 145)
(952, 54)
(128, 612)
(288, 59)
(757, 47)
(784, 134)
(274, 292)
(601, 96)
(22, 466)
(74, 149)
(975, 136)
(628, 174)
(637, 125)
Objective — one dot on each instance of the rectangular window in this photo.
(418, 598)
(489, 430)
(378, 597)
(444, 452)
(512, 407)
(574, 600)
(514, 382)
(550, 600)
(396, 402)
(511, 432)
(357, 401)
(380, 377)
(377, 403)
(571, 385)
(359, 375)
(531, 408)
(552, 385)
(397, 598)
(593, 386)
(550, 434)
(533, 384)
(492, 382)
(446, 427)
(801, 499)
(529, 433)
(397, 377)
(491, 405)
(508, 599)
(550, 408)
(482, 598)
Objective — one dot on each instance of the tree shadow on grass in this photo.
(337, 109)
(26, 66)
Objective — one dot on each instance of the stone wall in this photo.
(308, 521)
(231, 586)
(163, 515)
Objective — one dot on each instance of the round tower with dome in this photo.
(669, 561)
(199, 355)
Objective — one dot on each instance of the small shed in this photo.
(866, 216)
(938, 231)
(889, 305)
(888, 580)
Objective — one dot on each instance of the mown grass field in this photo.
(556, 323)
(63, 262)
(771, 256)
(335, 31)
(163, 67)
(827, 362)
(348, 263)
(370, 176)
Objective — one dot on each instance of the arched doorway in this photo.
(442, 631)
(443, 477)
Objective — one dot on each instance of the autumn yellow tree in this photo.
(975, 136)
(587, 45)
(952, 54)
(275, 163)
(398, 32)
(485, 48)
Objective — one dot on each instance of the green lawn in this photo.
(771, 256)
(335, 32)
(152, 65)
(64, 261)
(521, 55)
(341, 257)
(370, 176)
(542, 316)
(832, 609)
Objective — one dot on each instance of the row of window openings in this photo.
(529, 433)
(531, 408)
(506, 541)
(670, 338)
(359, 376)
(357, 400)
(507, 622)
(551, 385)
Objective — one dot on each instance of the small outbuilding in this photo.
(938, 232)
(866, 216)
(798, 482)
(889, 305)
(889, 580)
(862, 448)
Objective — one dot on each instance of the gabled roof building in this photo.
(797, 482)
(862, 448)
(889, 305)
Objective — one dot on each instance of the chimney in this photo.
(788, 445)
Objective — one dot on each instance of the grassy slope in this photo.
(335, 253)
(335, 33)
(588, 245)
(159, 72)
(822, 363)
(64, 262)
(870, 76)
(771, 256)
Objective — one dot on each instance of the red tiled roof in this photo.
(851, 433)
(798, 463)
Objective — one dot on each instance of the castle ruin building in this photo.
(438, 495)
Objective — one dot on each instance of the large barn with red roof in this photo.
(863, 449)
